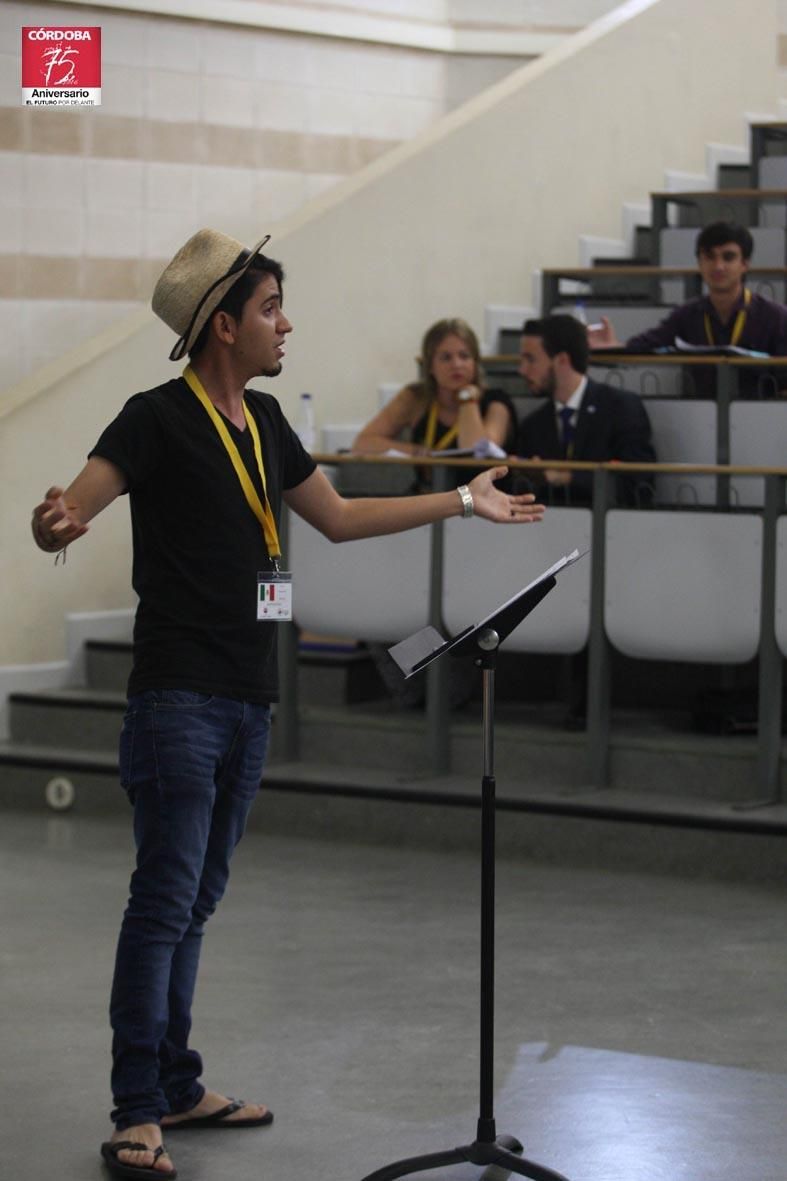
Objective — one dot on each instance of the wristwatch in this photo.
(468, 394)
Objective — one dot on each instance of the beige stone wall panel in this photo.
(14, 129)
(120, 137)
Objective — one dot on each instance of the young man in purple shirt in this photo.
(729, 314)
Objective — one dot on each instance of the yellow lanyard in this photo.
(262, 512)
(431, 431)
(740, 320)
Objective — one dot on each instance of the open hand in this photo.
(604, 337)
(493, 505)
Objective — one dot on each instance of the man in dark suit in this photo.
(581, 419)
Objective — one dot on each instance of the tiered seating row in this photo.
(685, 586)
(693, 431)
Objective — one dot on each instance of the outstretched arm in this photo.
(346, 520)
(62, 517)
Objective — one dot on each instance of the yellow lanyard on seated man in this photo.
(740, 321)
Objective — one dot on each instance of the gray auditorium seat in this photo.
(684, 432)
(376, 589)
(758, 438)
(485, 564)
(773, 175)
(773, 172)
(683, 586)
(781, 585)
(771, 288)
(664, 381)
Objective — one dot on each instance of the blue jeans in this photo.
(191, 765)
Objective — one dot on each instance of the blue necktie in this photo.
(567, 430)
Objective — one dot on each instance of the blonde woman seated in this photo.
(450, 408)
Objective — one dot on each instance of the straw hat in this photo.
(196, 281)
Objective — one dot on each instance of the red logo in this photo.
(61, 65)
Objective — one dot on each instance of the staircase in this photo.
(63, 742)
(679, 802)
(728, 167)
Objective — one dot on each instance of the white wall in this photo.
(457, 218)
(462, 215)
(200, 123)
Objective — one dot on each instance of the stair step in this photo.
(535, 754)
(582, 802)
(377, 804)
(108, 663)
(58, 758)
(82, 719)
(59, 778)
(635, 261)
(733, 176)
(350, 677)
(622, 288)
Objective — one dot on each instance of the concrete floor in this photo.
(641, 1031)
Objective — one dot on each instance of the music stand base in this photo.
(501, 1152)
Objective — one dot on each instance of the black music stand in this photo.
(481, 641)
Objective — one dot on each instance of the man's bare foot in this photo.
(143, 1134)
(209, 1104)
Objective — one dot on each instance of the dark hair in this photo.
(239, 294)
(561, 334)
(435, 336)
(719, 233)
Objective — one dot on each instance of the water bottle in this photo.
(579, 312)
(304, 426)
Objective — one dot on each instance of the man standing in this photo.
(580, 419)
(729, 314)
(207, 463)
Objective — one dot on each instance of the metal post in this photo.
(287, 733)
(438, 719)
(658, 223)
(550, 292)
(598, 648)
(757, 138)
(486, 1120)
(769, 710)
(726, 390)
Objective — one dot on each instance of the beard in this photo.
(547, 387)
(273, 371)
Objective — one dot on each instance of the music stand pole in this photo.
(488, 1148)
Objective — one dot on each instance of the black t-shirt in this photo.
(197, 545)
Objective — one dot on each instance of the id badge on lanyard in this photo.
(274, 596)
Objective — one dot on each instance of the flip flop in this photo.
(218, 1119)
(110, 1150)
